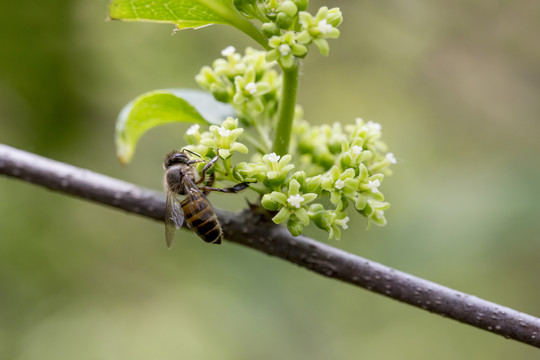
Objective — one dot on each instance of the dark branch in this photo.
(253, 230)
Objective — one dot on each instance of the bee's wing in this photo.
(197, 200)
(174, 217)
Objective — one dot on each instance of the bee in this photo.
(181, 178)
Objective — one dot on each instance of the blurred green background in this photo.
(456, 86)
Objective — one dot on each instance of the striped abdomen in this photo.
(198, 213)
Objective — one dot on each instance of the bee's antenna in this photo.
(191, 152)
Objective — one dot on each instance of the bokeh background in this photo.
(456, 86)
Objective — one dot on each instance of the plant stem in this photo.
(248, 28)
(286, 110)
(227, 165)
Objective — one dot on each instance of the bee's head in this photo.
(175, 158)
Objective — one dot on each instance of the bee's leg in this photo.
(206, 168)
(233, 189)
(209, 183)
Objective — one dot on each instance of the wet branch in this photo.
(254, 231)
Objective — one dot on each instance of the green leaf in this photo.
(185, 14)
(163, 107)
(182, 13)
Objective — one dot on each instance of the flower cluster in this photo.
(247, 82)
(218, 138)
(309, 29)
(290, 29)
(345, 165)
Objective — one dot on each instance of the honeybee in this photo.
(181, 178)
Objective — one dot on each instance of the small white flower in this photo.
(374, 185)
(273, 157)
(344, 222)
(229, 50)
(324, 27)
(251, 88)
(223, 132)
(295, 200)
(284, 49)
(193, 129)
(339, 184)
(357, 149)
(373, 126)
(359, 121)
(390, 157)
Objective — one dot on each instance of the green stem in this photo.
(228, 169)
(248, 28)
(286, 110)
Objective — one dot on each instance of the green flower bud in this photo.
(206, 76)
(334, 17)
(299, 176)
(295, 227)
(378, 218)
(270, 29)
(268, 203)
(374, 211)
(360, 202)
(294, 187)
(284, 21)
(288, 7)
(346, 160)
(244, 172)
(277, 168)
(299, 50)
(312, 185)
(319, 216)
(301, 4)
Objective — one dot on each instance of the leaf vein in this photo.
(134, 8)
(166, 6)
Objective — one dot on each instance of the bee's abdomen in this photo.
(203, 221)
